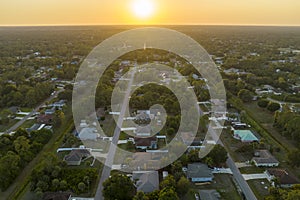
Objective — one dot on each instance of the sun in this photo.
(143, 8)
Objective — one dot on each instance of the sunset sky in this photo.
(77, 12)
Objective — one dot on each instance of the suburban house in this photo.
(189, 139)
(245, 136)
(145, 161)
(76, 156)
(143, 115)
(285, 179)
(45, 119)
(50, 111)
(146, 181)
(14, 109)
(88, 133)
(263, 158)
(199, 172)
(59, 104)
(56, 196)
(34, 127)
(145, 143)
(143, 131)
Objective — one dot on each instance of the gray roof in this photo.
(199, 170)
(146, 181)
(209, 195)
(264, 157)
(88, 134)
(77, 155)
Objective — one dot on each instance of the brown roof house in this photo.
(45, 119)
(285, 179)
(76, 156)
(263, 158)
(146, 181)
(56, 196)
(145, 143)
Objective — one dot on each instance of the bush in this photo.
(272, 106)
(245, 95)
(263, 103)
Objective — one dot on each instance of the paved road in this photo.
(240, 180)
(236, 173)
(19, 123)
(255, 176)
(112, 148)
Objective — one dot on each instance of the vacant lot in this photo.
(260, 187)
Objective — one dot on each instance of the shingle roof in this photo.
(283, 175)
(77, 155)
(88, 134)
(144, 141)
(56, 195)
(147, 181)
(144, 160)
(197, 170)
(265, 157)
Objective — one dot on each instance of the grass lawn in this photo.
(265, 118)
(26, 109)
(252, 170)
(109, 125)
(27, 123)
(124, 136)
(223, 183)
(231, 145)
(260, 187)
(11, 122)
(261, 115)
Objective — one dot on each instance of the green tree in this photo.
(168, 182)
(63, 185)
(59, 116)
(140, 195)
(245, 95)
(273, 106)
(183, 186)
(22, 147)
(119, 187)
(55, 184)
(81, 186)
(168, 194)
(193, 155)
(218, 154)
(9, 169)
(293, 158)
(263, 103)
(293, 195)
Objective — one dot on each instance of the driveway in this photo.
(254, 176)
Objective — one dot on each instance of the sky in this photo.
(106, 12)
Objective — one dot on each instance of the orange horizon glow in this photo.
(165, 12)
